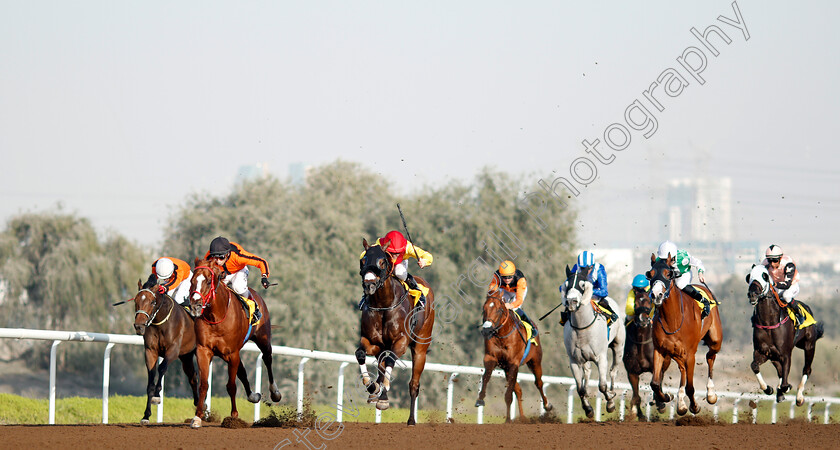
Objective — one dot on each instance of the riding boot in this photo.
(257, 314)
(696, 295)
(363, 303)
(564, 316)
(606, 305)
(412, 284)
(797, 312)
(527, 319)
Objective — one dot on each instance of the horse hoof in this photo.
(589, 413)
(694, 409)
(156, 400)
(548, 407)
(800, 401)
(479, 403)
(144, 422)
(660, 408)
(610, 406)
(382, 405)
(681, 410)
(769, 390)
(372, 398)
(780, 397)
(206, 414)
(411, 422)
(666, 398)
(254, 397)
(196, 422)
(711, 398)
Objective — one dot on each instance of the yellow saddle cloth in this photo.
(529, 331)
(603, 310)
(712, 302)
(415, 293)
(809, 319)
(249, 306)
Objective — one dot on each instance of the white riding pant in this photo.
(401, 270)
(684, 280)
(239, 282)
(182, 291)
(789, 293)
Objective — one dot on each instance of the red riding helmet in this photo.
(398, 242)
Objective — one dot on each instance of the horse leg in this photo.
(189, 370)
(517, 389)
(636, 399)
(387, 360)
(265, 348)
(510, 376)
(602, 381)
(689, 387)
(203, 355)
(233, 363)
(366, 348)
(714, 348)
(760, 358)
(810, 349)
(489, 364)
(660, 397)
(580, 380)
(418, 363)
(151, 367)
(780, 389)
(242, 374)
(535, 364)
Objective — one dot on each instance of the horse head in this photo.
(578, 289)
(759, 283)
(375, 266)
(146, 307)
(661, 276)
(642, 308)
(206, 276)
(494, 313)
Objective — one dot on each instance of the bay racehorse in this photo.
(390, 325)
(638, 350)
(222, 327)
(588, 338)
(775, 335)
(677, 331)
(168, 331)
(505, 346)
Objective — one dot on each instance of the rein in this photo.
(682, 311)
(154, 313)
(781, 306)
(496, 329)
(594, 318)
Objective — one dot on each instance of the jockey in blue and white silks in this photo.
(598, 278)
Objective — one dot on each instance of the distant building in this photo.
(252, 172)
(699, 210)
(297, 173)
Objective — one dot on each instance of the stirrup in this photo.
(257, 314)
(564, 317)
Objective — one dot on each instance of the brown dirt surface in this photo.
(365, 436)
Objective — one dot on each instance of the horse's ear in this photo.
(195, 263)
(139, 284)
(753, 266)
(765, 276)
(652, 258)
(568, 272)
(669, 260)
(748, 278)
(365, 244)
(385, 244)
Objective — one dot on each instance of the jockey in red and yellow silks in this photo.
(235, 261)
(172, 277)
(400, 249)
(511, 281)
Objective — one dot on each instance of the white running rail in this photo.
(454, 370)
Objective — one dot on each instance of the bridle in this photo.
(151, 317)
(210, 297)
(382, 274)
(494, 330)
(670, 281)
(765, 294)
(572, 283)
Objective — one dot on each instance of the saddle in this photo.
(415, 293)
(602, 311)
(809, 318)
(529, 332)
(249, 306)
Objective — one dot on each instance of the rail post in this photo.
(52, 381)
(339, 398)
(106, 380)
(300, 387)
(449, 394)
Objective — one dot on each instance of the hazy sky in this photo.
(118, 110)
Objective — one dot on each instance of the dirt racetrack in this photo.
(436, 436)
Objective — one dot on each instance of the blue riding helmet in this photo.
(640, 281)
(586, 259)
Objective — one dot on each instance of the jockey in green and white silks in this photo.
(682, 262)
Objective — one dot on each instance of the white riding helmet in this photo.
(666, 248)
(774, 251)
(164, 268)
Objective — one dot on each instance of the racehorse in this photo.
(221, 328)
(389, 325)
(505, 346)
(588, 337)
(168, 331)
(775, 335)
(638, 350)
(677, 331)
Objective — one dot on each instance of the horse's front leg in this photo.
(203, 355)
(580, 380)
(242, 374)
(170, 355)
(366, 348)
(188, 365)
(636, 399)
(689, 383)
(535, 365)
(418, 363)
(489, 364)
(233, 363)
(783, 368)
(510, 376)
(264, 344)
(151, 368)
(810, 348)
(603, 369)
(660, 397)
(760, 358)
(517, 389)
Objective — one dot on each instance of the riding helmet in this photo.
(219, 247)
(640, 281)
(507, 269)
(164, 268)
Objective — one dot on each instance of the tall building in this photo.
(252, 172)
(699, 210)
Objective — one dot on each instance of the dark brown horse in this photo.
(677, 330)
(505, 346)
(167, 331)
(222, 328)
(390, 325)
(638, 348)
(775, 335)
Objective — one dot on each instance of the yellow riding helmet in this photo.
(507, 269)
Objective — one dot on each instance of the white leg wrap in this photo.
(761, 381)
(387, 380)
(365, 375)
(799, 393)
(681, 397)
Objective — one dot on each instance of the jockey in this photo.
(511, 281)
(639, 282)
(172, 277)
(682, 262)
(782, 269)
(598, 278)
(235, 260)
(400, 250)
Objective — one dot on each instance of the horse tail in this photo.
(820, 328)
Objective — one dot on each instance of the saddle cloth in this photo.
(809, 319)
(249, 306)
(600, 309)
(712, 302)
(415, 293)
(529, 332)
